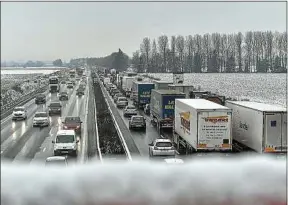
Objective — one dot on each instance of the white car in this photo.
(121, 102)
(41, 119)
(65, 143)
(162, 147)
(56, 160)
(174, 161)
(129, 111)
(19, 113)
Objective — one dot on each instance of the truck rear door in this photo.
(274, 132)
(284, 132)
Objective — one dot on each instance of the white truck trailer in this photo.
(258, 126)
(127, 83)
(182, 88)
(202, 125)
(106, 80)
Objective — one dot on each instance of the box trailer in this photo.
(141, 93)
(182, 88)
(127, 83)
(106, 80)
(259, 126)
(162, 107)
(161, 85)
(202, 125)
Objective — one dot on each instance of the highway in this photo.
(22, 142)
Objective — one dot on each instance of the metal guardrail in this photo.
(6, 109)
(127, 152)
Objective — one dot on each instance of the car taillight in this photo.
(155, 148)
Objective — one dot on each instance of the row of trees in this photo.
(117, 60)
(58, 63)
(255, 51)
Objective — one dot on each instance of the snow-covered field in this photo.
(200, 182)
(14, 87)
(267, 87)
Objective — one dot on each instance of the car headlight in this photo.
(77, 127)
(65, 127)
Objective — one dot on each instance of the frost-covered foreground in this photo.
(269, 88)
(14, 87)
(207, 182)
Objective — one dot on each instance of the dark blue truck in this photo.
(162, 107)
(141, 92)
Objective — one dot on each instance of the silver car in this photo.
(162, 147)
(121, 102)
(129, 111)
(56, 161)
(41, 119)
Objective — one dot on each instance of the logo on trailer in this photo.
(216, 119)
(185, 120)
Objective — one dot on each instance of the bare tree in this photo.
(163, 47)
(146, 49)
(238, 41)
(248, 47)
(180, 42)
(190, 52)
(173, 52)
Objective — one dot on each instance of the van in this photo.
(65, 143)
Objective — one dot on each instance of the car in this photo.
(80, 92)
(65, 143)
(115, 98)
(72, 123)
(129, 111)
(70, 85)
(77, 79)
(19, 113)
(121, 102)
(114, 93)
(56, 161)
(40, 99)
(173, 161)
(113, 89)
(138, 122)
(162, 147)
(147, 109)
(41, 119)
(55, 108)
(63, 96)
(73, 82)
(63, 82)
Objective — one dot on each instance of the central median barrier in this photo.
(110, 143)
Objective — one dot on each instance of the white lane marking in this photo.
(44, 149)
(1, 152)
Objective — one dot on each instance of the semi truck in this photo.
(79, 71)
(182, 88)
(201, 126)
(127, 83)
(54, 88)
(141, 92)
(162, 107)
(259, 126)
(207, 95)
(161, 85)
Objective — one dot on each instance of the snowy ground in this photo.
(14, 87)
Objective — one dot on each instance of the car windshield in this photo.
(18, 109)
(163, 144)
(122, 99)
(72, 119)
(138, 119)
(130, 108)
(65, 139)
(55, 105)
(56, 162)
(41, 115)
(41, 96)
(64, 93)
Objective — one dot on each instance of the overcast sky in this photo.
(47, 31)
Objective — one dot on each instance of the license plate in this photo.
(65, 152)
(138, 126)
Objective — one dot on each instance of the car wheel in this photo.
(75, 154)
(55, 153)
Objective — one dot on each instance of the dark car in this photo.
(72, 123)
(80, 92)
(138, 122)
(63, 96)
(55, 108)
(40, 99)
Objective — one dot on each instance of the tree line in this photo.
(254, 51)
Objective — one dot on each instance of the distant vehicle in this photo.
(129, 111)
(115, 98)
(55, 108)
(138, 122)
(73, 82)
(174, 161)
(63, 82)
(142, 93)
(162, 147)
(63, 96)
(80, 92)
(72, 123)
(114, 91)
(77, 79)
(40, 99)
(65, 143)
(70, 85)
(41, 119)
(56, 161)
(121, 102)
(53, 80)
(19, 113)
(147, 109)
(54, 88)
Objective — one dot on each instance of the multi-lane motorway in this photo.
(22, 142)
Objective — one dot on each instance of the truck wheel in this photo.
(55, 153)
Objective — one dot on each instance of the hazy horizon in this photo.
(47, 31)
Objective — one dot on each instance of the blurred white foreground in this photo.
(204, 182)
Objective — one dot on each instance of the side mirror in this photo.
(53, 141)
(77, 141)
(81, 122)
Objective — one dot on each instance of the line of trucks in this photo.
(202, 121)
